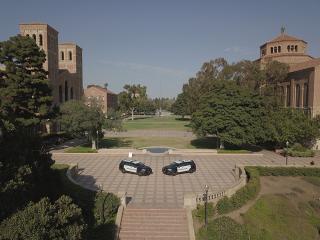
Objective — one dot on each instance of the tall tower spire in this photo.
(283, 29)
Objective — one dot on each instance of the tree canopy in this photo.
(25, 93)
(132, 98)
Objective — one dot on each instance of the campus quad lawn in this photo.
(158, 123)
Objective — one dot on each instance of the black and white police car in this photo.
(133, 166)
(180, 166)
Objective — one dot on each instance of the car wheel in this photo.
(123, 171)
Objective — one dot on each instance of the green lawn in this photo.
(279, 217)
(158, 123)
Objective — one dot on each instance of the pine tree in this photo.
(25, 94)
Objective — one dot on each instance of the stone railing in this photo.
(191, 200)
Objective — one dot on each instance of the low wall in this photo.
(191, 200)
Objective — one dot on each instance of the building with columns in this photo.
(63, 61)
(301, 89)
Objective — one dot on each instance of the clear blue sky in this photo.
(162, 43)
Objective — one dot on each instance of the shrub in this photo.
(243, 195)
(297, 150)
(106, 207)
(289, 171)
(43, 220)
(200, 211)
(223, 228)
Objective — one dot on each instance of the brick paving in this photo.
(159, 189)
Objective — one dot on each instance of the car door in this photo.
(184, 167)
(130, 167)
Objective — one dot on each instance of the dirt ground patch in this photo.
(301, 190)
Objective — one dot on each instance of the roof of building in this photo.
(39, 23)
(283, 37)
(305, 65)
(102, 89)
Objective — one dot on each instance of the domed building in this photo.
(302, 86)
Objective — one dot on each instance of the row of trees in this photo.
(241, 104)
(134, 99)
(32, 205)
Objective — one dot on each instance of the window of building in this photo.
(279, 49)
(288, 96)
(28, 35)
(62, 55)
(296, 48)
(282, 96)
(271, 50)
(297, 95)
(275, 49)
(34, 37)
(71, 93)
(288, 48)
(66, 95)
(40, 40)
(292, 48)
(70, 55)
(305, 95)
(60, 94)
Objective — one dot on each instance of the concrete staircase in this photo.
(154, 224)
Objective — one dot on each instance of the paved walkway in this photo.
(158, 189)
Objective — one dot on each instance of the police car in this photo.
(133, 166)
(180, 166)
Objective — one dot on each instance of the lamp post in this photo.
(205, 195)
(97, 139)
(287, 144)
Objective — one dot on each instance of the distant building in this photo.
(108, 99)
(63, 61)
(302, 87)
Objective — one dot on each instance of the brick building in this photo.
(63, 61)
(107, 98)
(302, 86)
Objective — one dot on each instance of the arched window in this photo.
(34, 37)
(292, 48)
(297, 95)
(305, 95)
(28, 35)
(62, 55)
(40, 40)
(279, 49)
(296, 48)
(71, 93)
(271, 49)
(275, 49)
(288, 96)
(288, 47)
(70, 55)
(66, 91)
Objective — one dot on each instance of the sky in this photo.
(163, 43)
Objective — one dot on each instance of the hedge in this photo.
(251, 190)
(243, 195)
(289, 171)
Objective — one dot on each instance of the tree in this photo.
(78, 118)
(25, 100)
(25, 94)
(132, 98)
(43, 220)
(292, 125)
(235, 114)
(180, 106)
